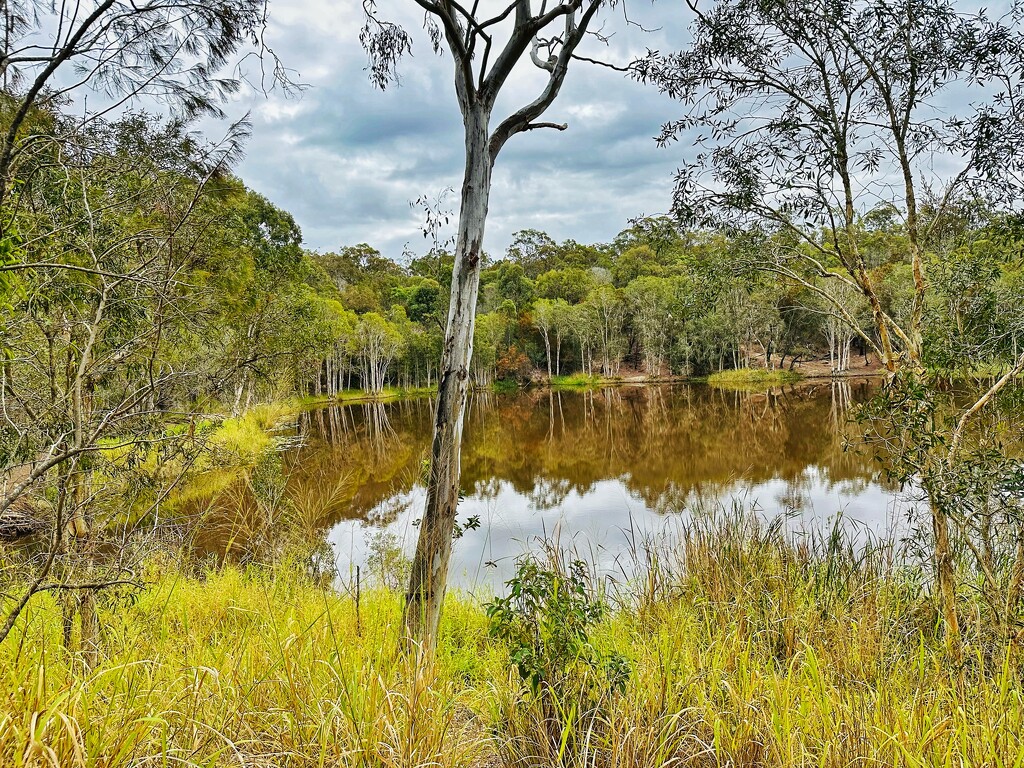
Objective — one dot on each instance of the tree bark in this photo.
(476, 92)
(945, 570)
(429, 574)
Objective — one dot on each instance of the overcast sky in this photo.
(346, 159)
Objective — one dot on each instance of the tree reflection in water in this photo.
(598, 461)
(601, 460)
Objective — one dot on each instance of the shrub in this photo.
(515, 366)
(546, 621)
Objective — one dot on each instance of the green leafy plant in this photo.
(547, 620)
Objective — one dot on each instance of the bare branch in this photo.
(555, 126)
(628, 68)
(981, 402)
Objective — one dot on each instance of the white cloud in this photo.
(346, 159)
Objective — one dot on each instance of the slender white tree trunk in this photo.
(434, 547)
(831, 348)
(236, 408)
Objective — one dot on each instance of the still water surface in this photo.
(591, 467)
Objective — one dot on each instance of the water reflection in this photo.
(590, 465)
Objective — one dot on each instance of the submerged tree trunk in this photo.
(433, 550)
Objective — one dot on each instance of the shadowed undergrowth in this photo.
(739, 645)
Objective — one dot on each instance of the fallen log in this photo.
(22, 518)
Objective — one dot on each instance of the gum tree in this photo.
(486, 45)
(168, 50)
(812, 115)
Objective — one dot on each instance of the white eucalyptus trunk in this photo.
(434, 547)
(477, 86)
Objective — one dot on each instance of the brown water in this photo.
(591, 466)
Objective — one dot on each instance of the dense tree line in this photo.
(162, 258)
(141, 278)
(658, 301)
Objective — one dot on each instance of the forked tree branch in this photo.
(575, 31)
(981, 402)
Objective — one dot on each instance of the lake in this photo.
(596, 468)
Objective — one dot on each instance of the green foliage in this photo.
(513, 286)
(532, 251)
(546, 621)
(972, 482)
(270, 235)
(424, 302)
(633, 263)
(967, 317)
(571, 284)
(11, 253)
(752, 377)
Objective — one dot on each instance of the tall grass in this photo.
(752, 377)
(749, 646)
(580, 382)
(239, 668)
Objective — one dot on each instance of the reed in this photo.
(749, 645)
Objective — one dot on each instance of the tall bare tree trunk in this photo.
(433, 550)
(945, 571)
(480, 74)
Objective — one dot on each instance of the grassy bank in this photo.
(581, 382)
(746, 378)
(757, 653)
(235, 445)
(576, 382)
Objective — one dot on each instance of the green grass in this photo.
(579, 381)
(746, 650)
(237, 668)
(978, 370)
(743, 378)
(358, 395)
(233, 447)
